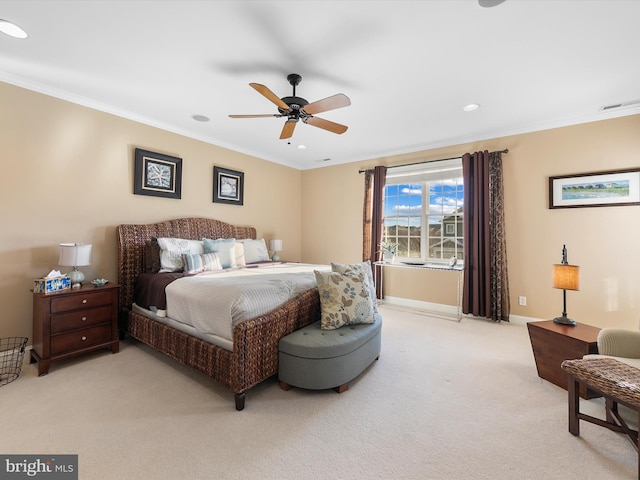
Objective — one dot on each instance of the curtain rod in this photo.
(506, 150)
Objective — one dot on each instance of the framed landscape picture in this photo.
(157, 174)
(228, 186)
(596, 189)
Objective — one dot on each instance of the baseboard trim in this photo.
(443, 309)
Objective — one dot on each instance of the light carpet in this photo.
(446, 400)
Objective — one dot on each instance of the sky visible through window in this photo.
(445, 197)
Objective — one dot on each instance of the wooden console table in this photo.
(553, 343)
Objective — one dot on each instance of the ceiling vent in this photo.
(620, 105)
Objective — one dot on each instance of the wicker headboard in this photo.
(133, 238)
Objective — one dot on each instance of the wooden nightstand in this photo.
(73, 322)
(553, 343)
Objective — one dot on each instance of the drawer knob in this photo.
(84, 319)
(84, 300)
(84, 338)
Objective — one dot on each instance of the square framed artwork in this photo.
(228, 186)
(596, 189)
(157, 174)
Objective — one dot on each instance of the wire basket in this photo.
(11, 357)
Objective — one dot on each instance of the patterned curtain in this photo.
(374, 181)
(366, 216)
(486, 282)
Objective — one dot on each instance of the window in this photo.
(423, 210)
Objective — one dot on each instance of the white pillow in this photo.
(172, 249)
(255, 250)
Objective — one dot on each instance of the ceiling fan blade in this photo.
(326, 125)
(287, 130)
(261, 115)
(330, 103)
(269, 95)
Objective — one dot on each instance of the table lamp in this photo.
(275, 246)
(75, 255)
(566, 277)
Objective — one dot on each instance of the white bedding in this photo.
(213, 303)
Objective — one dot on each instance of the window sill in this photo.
(425, 266)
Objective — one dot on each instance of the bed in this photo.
(254, 354)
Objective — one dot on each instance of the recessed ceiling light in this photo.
(12, 29)
(200, 118)
(471, 107)
(301, 147)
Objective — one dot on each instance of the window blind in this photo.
(425, 171)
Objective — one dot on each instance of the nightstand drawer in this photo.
(80, 319)
(80, 339)
(73, 302)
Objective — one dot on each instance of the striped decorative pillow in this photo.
(203, 262)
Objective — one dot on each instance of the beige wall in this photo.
(603, 240)
(68, 177)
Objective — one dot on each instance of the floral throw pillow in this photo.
(364, 267)
(344, 299)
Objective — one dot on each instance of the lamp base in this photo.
(276, 257)
(76, 277)
(564, 320)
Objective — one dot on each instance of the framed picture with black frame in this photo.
(228, 186)
(157, 174)
(595, 189)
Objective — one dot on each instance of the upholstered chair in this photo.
(623, 345)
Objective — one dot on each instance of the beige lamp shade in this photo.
(566, 277)
(75, 254)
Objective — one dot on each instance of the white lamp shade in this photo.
(275, 245)
(75, 254)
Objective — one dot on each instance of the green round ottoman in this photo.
(319, 359)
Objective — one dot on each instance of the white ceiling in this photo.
(408, 67)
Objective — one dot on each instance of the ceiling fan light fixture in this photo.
(471, 107)
(301, 147)
(12, 29)
(489, 3)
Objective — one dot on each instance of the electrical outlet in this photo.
(522, 300)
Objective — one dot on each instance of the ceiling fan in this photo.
(297, 108)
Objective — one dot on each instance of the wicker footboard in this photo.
(255, 344)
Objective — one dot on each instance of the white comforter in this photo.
(214, 303)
